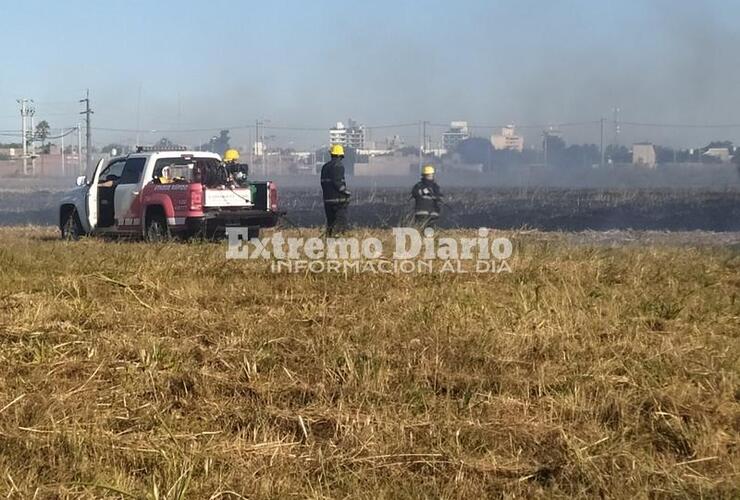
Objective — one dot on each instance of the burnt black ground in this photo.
(547, 209)
(543, 209)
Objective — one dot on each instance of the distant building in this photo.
(370, 150)
(386, 165)
(508, 140)
(457, 133)
(436, 152)
(395, 142)
(352, 135)
(723, 154)
(259, 148)
(338, 134)
(551, 133)
(643, 155)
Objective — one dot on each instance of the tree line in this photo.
(557, 153)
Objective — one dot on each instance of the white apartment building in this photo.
(508, 140)
(352, 135)
(457, 133)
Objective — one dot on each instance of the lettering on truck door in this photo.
(127, 200)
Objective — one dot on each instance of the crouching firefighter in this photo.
(236, 172)
(335, 192)
(427, 197)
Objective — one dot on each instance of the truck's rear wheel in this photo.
(156, 229)
(72, 227)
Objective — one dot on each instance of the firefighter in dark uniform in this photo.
(427, 196)
(336, 195)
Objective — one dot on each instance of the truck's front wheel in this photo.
(157, 230)
(72, 227)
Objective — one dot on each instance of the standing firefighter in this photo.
(427, 196)
(336, 195)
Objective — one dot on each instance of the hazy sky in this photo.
(218, 63)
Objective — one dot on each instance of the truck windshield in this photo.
(199, 163)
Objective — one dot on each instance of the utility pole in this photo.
(421, 145)
(424, 135)
(31, 133)
(617, 128)
(23, 133)
(251, 150)
(24, 136)
(79, 149)
(257, 145)
(544, 146)
(602, 142)
(88, 131)
(27, 110)
(61, 133)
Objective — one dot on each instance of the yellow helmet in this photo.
(427, 170)
(337, 150)
(231, 155)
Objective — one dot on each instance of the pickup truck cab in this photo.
(158, 194)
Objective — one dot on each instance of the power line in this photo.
(59, 114)
(248, 127)
(174, 130)
(397, 125)
(299, 128)
(530, 126)
(56, 103)
(63, 134)
(681, 125)
(245, 127)
(10, 133)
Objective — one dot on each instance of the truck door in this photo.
(92, 195)
(127, 193)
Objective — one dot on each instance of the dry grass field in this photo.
(130, 370)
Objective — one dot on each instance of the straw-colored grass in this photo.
(130, 370)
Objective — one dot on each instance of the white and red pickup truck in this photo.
(158, 194)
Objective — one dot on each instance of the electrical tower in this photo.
(88, 135)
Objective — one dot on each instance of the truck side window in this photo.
(114, 169)
(132, 171)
